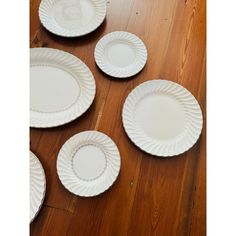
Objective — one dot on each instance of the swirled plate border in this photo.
(96, 186)
(193, 113)
(83, 76)
(124, 72)
(47, 22)
(37, 186)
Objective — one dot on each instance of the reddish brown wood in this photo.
(152, 196)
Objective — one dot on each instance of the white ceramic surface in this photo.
(72, 18)
(37, 186)
(62, 87)
(120, 54)
(88, 163)
(162, 118)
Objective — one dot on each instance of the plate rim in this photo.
(148, 150)
(83, 192)
(74, 113)
(120, 73)
(44, 186)
(46, 25)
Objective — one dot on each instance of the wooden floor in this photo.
(152, 196)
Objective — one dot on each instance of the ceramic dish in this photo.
(37, 186)
(72, 18)
(88, 163)
(162, 118)
(62, 87)
(120, 54)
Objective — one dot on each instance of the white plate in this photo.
(88, 163)
(37, 186)
(162, 118)
(72, 18)
(120, 54)
(62, 87)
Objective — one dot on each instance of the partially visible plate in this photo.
(72, 18)
(88, 163)
(62, 87)
(162, 118)
(37, 186)
(120, 54)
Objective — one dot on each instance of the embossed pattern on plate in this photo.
(162, 118)
(37, 186)
(62, 87)
(72, 18)
(120, 54)
(88, 163)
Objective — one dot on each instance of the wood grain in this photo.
(152, 196)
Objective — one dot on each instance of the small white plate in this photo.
(162, 118)
(62, 87)
(72, 18)
(88, 163)
(120, 54)
(37, 186)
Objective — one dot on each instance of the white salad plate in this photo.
(62, 87)
(120, 54)
(72, 18)
(88, 163)
(162, 118)
(37, 186)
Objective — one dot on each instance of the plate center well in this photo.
(71, 14)
(89, 162)
(51, 89)
(161, 116)
(120, 53)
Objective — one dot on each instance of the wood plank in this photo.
(198, 223)
(34, 19)
(152, 196)
(50, 222)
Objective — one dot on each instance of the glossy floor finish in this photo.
(152, 196)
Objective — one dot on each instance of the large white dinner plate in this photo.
(72, 18)
(37, 186)
(62, 87)
(88, 163)
(162, 118)
(120, 54)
